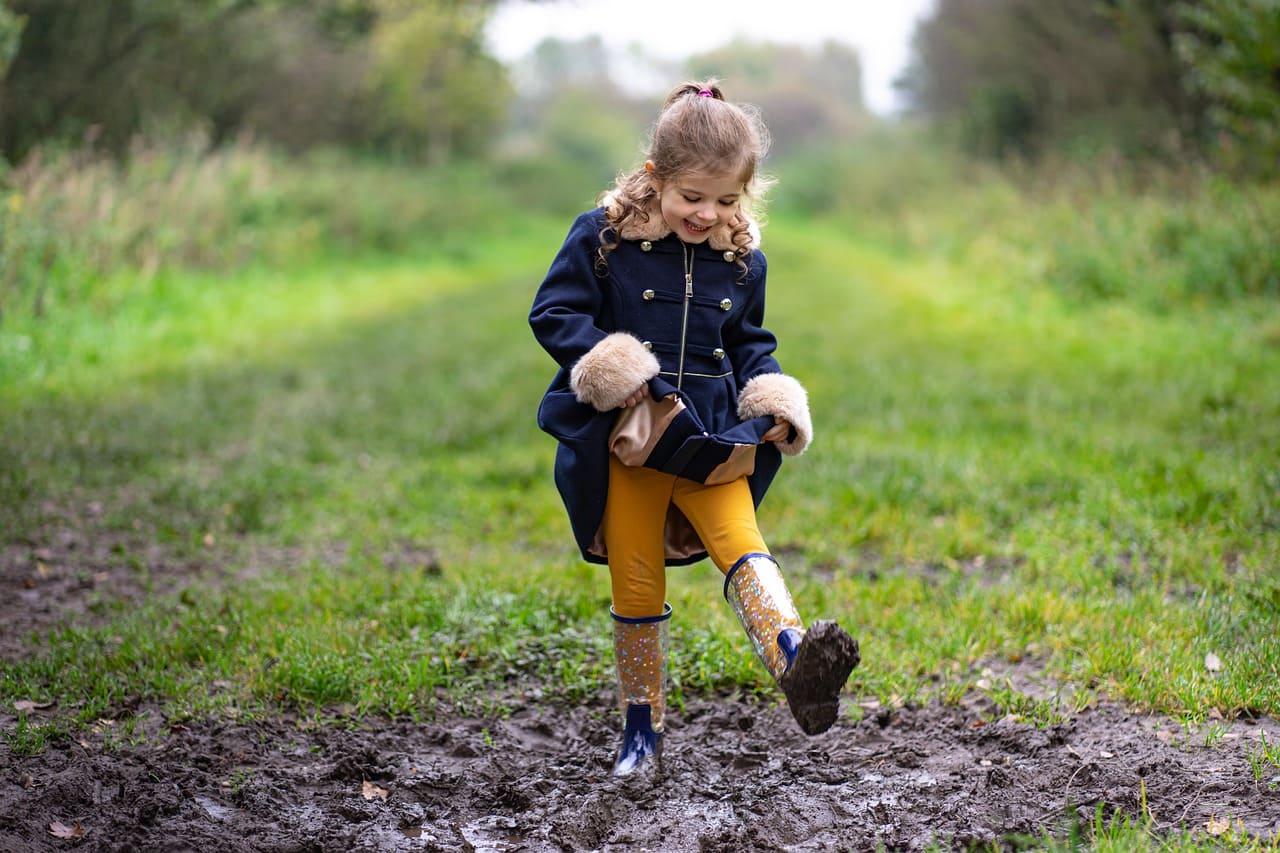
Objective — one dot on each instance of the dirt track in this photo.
(737, 775)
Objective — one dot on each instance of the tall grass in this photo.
(1094, 230)
(79, 229)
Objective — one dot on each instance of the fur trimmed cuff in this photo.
(783, 397)
(611, 371)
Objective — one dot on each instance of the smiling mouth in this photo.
(696, 229)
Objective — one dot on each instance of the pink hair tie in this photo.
(706, 93)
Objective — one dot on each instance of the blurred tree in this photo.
(599, 141)
(803, 94)
(1232, 51)
(11, 24)
(300, 72)
(110, 69)
(556, 64)
(79, 64)
(1016, 76)
(440, 90)
(564, 82)
(571, 128)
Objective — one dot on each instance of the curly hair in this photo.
(693, 133)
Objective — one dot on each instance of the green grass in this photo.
(998, 476)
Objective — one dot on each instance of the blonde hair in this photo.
(695, 132)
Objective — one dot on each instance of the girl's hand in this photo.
(778, 432)
(635, 398)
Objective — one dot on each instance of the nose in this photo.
(707, 213)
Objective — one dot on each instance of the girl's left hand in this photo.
(635, 399)
(778, 432)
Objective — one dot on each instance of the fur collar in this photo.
(656, 227)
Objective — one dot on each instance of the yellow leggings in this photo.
(635, 514)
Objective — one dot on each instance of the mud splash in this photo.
(736, 775)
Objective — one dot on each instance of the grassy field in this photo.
(1089, 491)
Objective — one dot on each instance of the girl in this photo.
(671, 411)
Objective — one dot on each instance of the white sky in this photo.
(880, 30)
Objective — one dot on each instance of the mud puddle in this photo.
(736, 775)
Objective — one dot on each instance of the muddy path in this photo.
(736, 775)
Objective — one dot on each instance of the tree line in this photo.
(393, 75)
(1144, 77)
(1012, 78)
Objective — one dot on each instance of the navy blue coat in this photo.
(642, 292)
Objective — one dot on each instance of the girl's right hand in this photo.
(780, 430)
(635, 398)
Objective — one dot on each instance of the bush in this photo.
(1091, 228)
(889, 169)
(71, 219)
(1209, 241)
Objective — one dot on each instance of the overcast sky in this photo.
(880, 30)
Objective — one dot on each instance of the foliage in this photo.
(1232, 51)
(1095, 231)
(1148, 78)
(556, 64)
(804, 95)
(1218, 243)
(572, 118)
(72, 223)
(874, 176)
(1019, 76)
(111, 70)
(598, 142)
(440, 91)
(11, 24)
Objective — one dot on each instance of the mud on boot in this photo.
(811, 667)
(819, 663)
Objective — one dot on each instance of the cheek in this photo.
(672, 210)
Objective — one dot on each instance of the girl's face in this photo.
(694, 203)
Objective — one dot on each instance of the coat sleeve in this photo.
(571, 297)
(764, 388)
(604, 367)
(750, 345)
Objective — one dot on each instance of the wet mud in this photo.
(735, 775)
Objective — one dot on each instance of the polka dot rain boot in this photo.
(639, 646)
(810, 666)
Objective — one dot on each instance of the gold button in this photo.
(648, 294)
(646, 246)
(717, 353)
(730, 256)
(726, 304)
(648, 345)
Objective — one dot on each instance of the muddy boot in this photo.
(810, 666)
(639, 647)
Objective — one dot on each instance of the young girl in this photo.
(671, 411)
